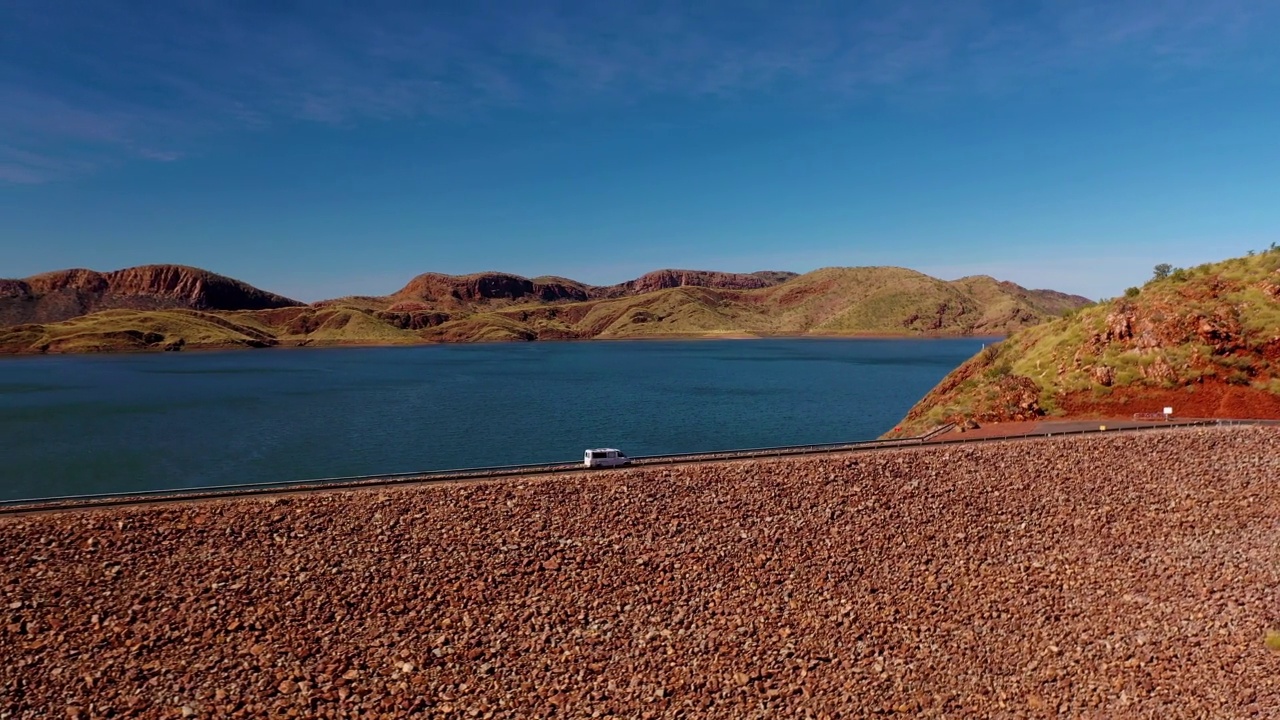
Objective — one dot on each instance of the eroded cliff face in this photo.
(666, 279)
(447, 291)
(440, 289)
(65, 294)
(14, 290)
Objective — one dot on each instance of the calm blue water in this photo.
(132, 422)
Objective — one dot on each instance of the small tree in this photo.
(1132, 292)
(1162, 271)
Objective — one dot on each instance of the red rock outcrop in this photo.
(480, 287)
(439, 289)
(65, 294)
(1148, 328)
(14, 290)
(666, 279)
(412, 319)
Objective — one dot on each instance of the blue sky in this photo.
(321, 149)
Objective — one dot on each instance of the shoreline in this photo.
(667, 337)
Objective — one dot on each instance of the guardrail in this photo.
(454, 475)
(97, 500)
(286, 485)
(1101, 428)
(947, 427)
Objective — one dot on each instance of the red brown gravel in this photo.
(1107, 576)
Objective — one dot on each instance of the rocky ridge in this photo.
(666, 279)
(461, 290)
(65, 294)
(502, 307)
(455, 291)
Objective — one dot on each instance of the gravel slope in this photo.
(1120, 576)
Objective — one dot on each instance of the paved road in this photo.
(1046, 427)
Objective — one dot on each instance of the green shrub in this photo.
(1238, 377)
(1132, 292)
(989, 354)
(1271, 386)
(1272, 640)
(1237, 362)
(998, 371)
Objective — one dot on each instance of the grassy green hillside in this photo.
(832, 301)
(1204, 340)
(901, 301)
(135, 330)
(126, 330)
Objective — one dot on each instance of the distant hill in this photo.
(498, 306)
(65, 294)
(667, 279)
(492, 290)
(1204, 341)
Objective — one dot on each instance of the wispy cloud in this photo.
(160, 155)
(88, 83)
(22, 167)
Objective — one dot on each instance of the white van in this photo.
(605, 457)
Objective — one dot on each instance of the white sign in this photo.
(1168, 411)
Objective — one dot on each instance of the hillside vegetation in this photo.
(498, 307)
(1204, 341)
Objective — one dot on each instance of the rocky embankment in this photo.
(1115, 576)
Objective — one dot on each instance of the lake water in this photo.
(106, 423)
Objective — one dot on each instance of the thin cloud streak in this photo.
(87, 84)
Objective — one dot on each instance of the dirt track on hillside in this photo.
(1207, 399)
(1112, 576)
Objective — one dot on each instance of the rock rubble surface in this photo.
(1113, 576)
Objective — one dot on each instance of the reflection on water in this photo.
(130, 422)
